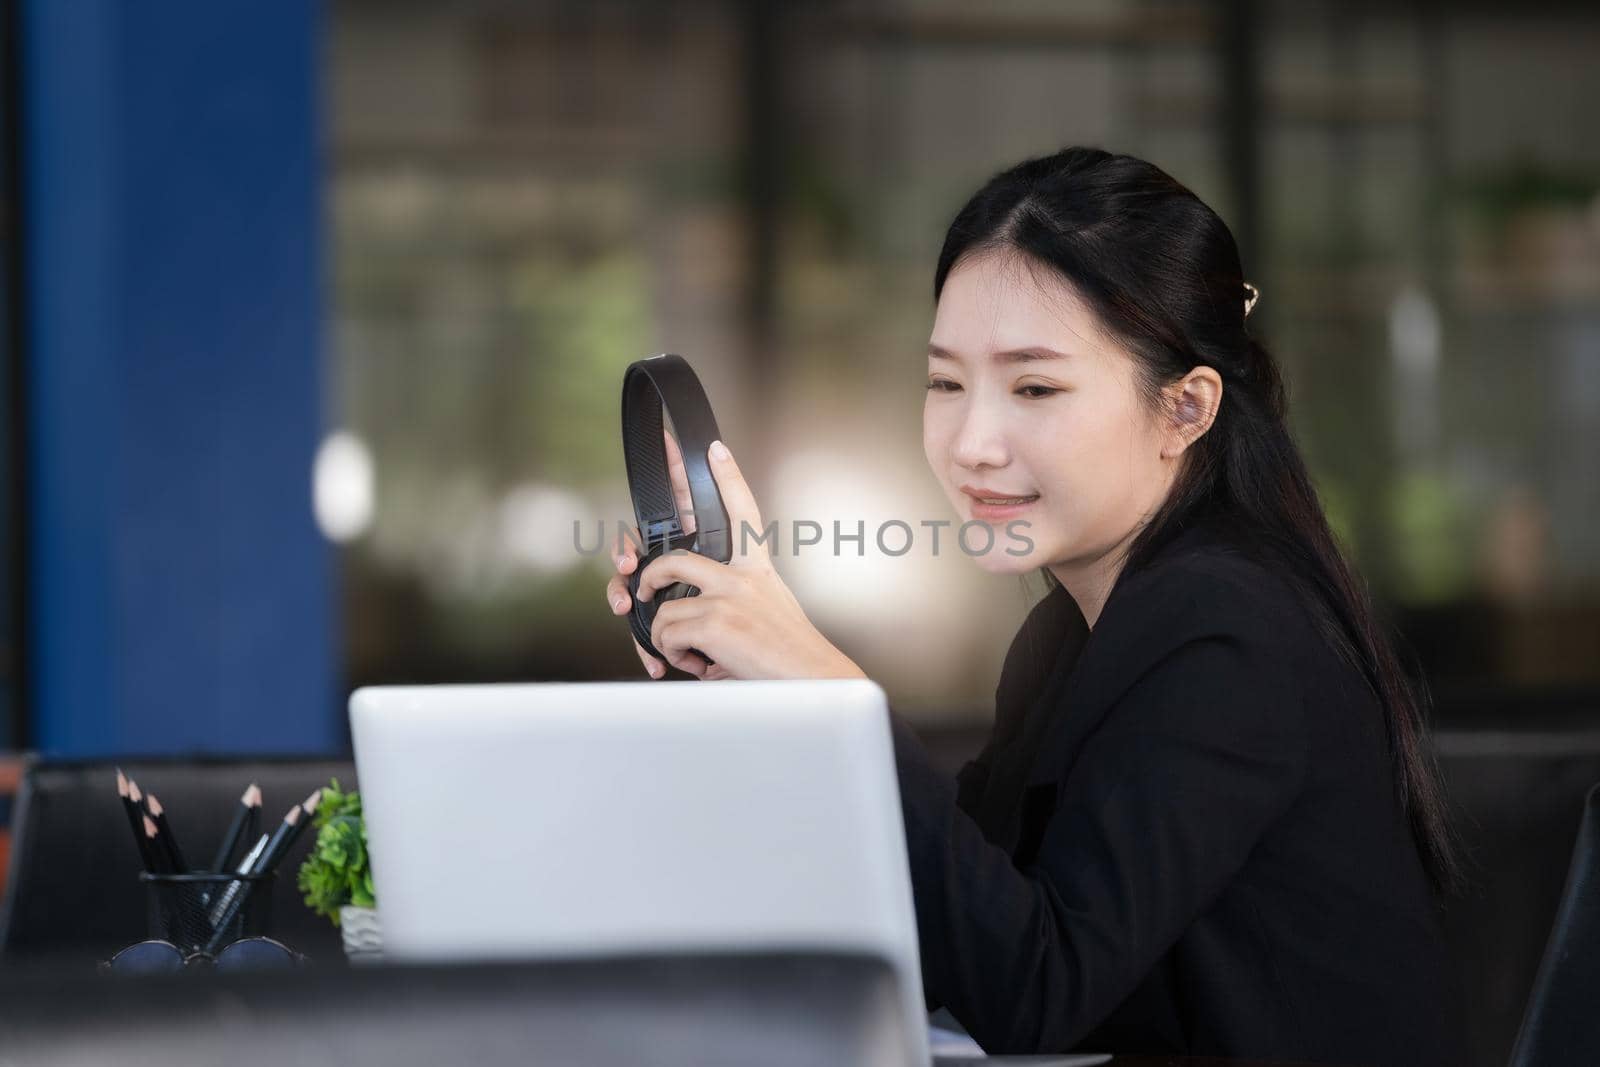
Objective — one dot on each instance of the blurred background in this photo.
(315, 315)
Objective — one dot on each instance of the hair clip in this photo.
(1250, 301)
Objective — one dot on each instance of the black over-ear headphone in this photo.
(649, 386)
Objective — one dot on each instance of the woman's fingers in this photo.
(652, 666)
(621, 602)
(740, 504)
(673, 631)
(617, 598)
(626, 559)
(700, 571)
(617, 594)
(626, 556)
(689, 567)
(678, 475)
(690, 663)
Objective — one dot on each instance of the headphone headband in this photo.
(666, 383)
(653, 388)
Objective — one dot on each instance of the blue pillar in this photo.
(180, 598)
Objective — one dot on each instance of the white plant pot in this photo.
(363, 936)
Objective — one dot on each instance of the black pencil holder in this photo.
(191, 909)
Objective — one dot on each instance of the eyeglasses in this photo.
(163, 957)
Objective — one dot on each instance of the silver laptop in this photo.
(562, 819)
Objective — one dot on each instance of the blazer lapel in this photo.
(1030, 688)
(1034, 748)
(1135, 631)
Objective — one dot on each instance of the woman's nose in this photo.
(980, 439)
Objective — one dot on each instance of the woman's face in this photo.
(1026, 398)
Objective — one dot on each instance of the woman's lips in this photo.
(1001, 512)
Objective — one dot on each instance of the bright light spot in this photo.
(1415, 331)
(858, 580)
(342, 487)
(1415, 342)
(536, 528)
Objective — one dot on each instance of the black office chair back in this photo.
(1561, 1025)
(73, 888)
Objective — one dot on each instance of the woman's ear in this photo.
(1193, 403)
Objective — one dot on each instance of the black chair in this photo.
(1560, 1025)
(1517, 786)
(779, 1010)
(73, 889)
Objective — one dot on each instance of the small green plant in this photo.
(336, 871)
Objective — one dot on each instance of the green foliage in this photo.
(336, 872)
(1525, 183)
(1429, 530)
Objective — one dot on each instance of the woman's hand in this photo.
(744, 617)
(628, 556)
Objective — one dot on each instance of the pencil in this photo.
(276, 848)
(250, 857)
(168, 839)
(252, 826)
(163, 865)
(241, 815)
(160, 858)
(309, 806)
(232, 890)
(131, 810)
(288, 833)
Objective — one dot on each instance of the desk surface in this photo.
(792, 1010)
(1195, 1061)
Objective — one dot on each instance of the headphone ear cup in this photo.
(642, 615)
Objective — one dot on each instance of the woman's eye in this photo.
(1032, 392)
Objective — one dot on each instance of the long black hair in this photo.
(1161, 272)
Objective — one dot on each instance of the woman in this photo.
(1204, 821)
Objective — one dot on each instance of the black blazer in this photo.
(1183, 836)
